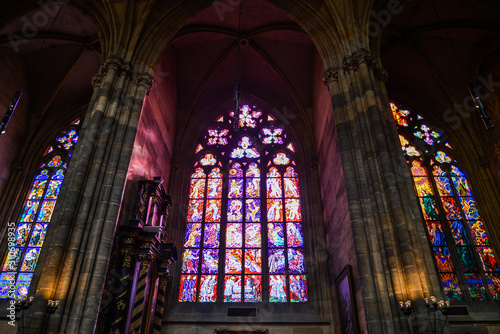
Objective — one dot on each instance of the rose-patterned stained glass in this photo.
(247, 190)
(68, 139)
(460, 243)
(188, 288)
(56, 161)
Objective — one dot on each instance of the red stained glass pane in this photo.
(298, 288)
(277, 289)
(195, 211)
(37, 189)
(233, 261)
(253, 187)
(290, 172)
(210, 263)
(235, 210)
(252, 236)
(291, 187)
(30, 259)
(459, 233)
(274, 188)
(214, 189)
(193, 235)
(234, 236)
(274, 210)
(232, 288)
(235, 188)
(187, 291)
(38, 235)
(22, 233)
(197, 189)
(275, 235)
(253, 289)
(253, 261)
(208, 288)
(417, 169)
(211, 236)
(451, 208)
(46, 211)
(55, 162)
(488, 259)
(30, 211)
(213, 212)
(450, 285)
(236, 171)
(253, 210)
(215, 173)
(190, 261)
(273, 172)
(198, 173)
(293, 210)
(294, 235)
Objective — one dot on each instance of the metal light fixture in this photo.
(52, 306)
(488, 123)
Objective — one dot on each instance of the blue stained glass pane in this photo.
(469, 207)
(210, 263)
(296, 261)
(22, 285)
(459, 233)
(59, 175)
(37, 189)
(30, 211)
(30, 259)
(53, 189)
(452, 291)
(462, 186)
(476, 287)
(38, 235)
(193, 235)
(298, 288)
(187, 292)
(190, 262)
(44, 175)
(276, 261)
(46, 211)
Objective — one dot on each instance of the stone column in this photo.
(394, 260)
(81, 237)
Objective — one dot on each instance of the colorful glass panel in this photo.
(281, 159)
(277, 289)
(208, 288)
(253, 289)
(476, 287)
(253, 261)
(198, 173)
(276, 261)
(12, 259)
(208, 160)
(276, 235)
(211, 236)
(210, 263)
(235, 188)
(298, 288)
(469, 206)
(38, 235)
(197, 189)
(291, 187)
(272, 136)
(234, 236)
(253, 187)
(252, 210)
(478, 232)
(46, 211)
(296, 261)
(53, 189)
(252, 236)
(233, 261)
(232, 288)
(488, 259)
(235, 210)
(214, 188)
(37, 189)
(195, 211)
(493, 281)
(274, 210)
(22, 285)
(213, 212)
(245, 150)
(7, 280)
(30, 259)
(274, 187)
(294, 235)
(187, 291)
(249, 117)
(451, 288)
(193, 235)
(22, 232)
(30, 211)
(55, 162)
(190, 263)
(293, 210)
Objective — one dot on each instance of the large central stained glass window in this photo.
(244, 240)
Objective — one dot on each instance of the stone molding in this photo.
(358, 57)
(330, 75)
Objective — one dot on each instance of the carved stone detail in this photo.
(358, 57)
(381, 74)
(145, 80)
(330, 76)
(96, 81)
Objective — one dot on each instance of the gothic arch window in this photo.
(244, 211)
(460, 244)
(26, 241)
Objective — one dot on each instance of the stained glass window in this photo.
(20, 263)
(460, 244)
(252, 248)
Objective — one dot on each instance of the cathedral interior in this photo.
(250, 166)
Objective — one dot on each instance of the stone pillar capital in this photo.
(330, 75)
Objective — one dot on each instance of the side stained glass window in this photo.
(19, 264)
(244, 244)
(464, 256)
